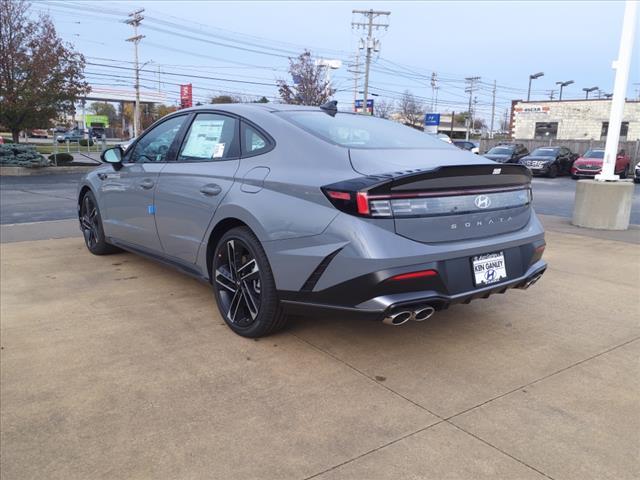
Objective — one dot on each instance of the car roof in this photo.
(240, 108)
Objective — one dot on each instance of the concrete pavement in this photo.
(116, 367)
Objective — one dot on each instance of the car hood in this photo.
(588, 161)
(372, 162)
(498, 158)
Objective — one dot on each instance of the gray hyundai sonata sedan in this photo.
(293, 210)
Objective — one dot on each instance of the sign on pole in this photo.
(358, 106)
(186, 96)
(431, 122)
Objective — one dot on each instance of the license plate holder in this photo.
(489, 268)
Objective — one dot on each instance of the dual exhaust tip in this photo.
(401, 317)
(531, 281)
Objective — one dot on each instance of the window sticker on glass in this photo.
(204, 138)
(218, 151)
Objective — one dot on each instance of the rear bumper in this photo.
(373, 297)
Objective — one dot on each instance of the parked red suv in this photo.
(590, 164)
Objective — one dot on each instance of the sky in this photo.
(242, 47)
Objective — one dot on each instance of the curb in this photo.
(23, 171)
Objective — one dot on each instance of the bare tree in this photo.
(383, 108)
(411, 109)
(309, 85)
(40, 75)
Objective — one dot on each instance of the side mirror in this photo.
(113, 156)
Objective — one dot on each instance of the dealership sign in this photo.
(358, 106)
(431, 122)
(532, 109)
(186, 96)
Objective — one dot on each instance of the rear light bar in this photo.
(413, 275)
(421, 204)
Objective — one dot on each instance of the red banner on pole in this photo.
(186, 96)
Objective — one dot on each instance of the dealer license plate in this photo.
(489, 268)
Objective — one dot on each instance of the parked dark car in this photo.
(467, 145)
(96, 132)
(507, 153)
(550, 161)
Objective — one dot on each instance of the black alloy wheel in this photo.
(553, 171)
(244, 285)
(91, 226)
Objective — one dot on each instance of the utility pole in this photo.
(493, 108)
(135, 18)
(552, 93)
(371, 44)
(356, 75)
(434, 87)
(471, 82)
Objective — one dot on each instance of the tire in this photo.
(245, 290)
(625, 172)
(91, 226)
(553, 171)
(575, 177)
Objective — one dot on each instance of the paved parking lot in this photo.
(53, 197)
(116, 367)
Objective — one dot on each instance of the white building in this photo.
(571, 120)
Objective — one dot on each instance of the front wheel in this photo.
(553, 171)
(244, 286)
(91, 226)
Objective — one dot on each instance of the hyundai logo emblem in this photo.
(482, 201)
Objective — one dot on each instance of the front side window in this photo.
(154, 146)
(211, 137)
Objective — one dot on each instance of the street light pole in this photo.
(587, 91)
(533, 77)
(562, 85)
(622, 66)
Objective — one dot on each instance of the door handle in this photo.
(211, 189)
(147, 184)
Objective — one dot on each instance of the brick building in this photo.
(571, 120)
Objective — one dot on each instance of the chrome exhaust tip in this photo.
(531, 281)
(424, 313)
(398, 318)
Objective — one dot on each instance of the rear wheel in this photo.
(244, 286)
(91, 226)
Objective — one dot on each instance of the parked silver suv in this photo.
(289, 209)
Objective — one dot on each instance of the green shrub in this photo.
(14, 154)
(61, 158)
(84, 142)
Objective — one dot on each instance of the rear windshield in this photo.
(544, 152)
(361, 131)
(594, 154)
(501, 150)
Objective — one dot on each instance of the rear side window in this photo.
(211, 137)
(253, 142)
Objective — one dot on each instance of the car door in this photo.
(128, 193)
(191, 186)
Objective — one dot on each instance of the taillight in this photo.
(413, 275)
(422, 204)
